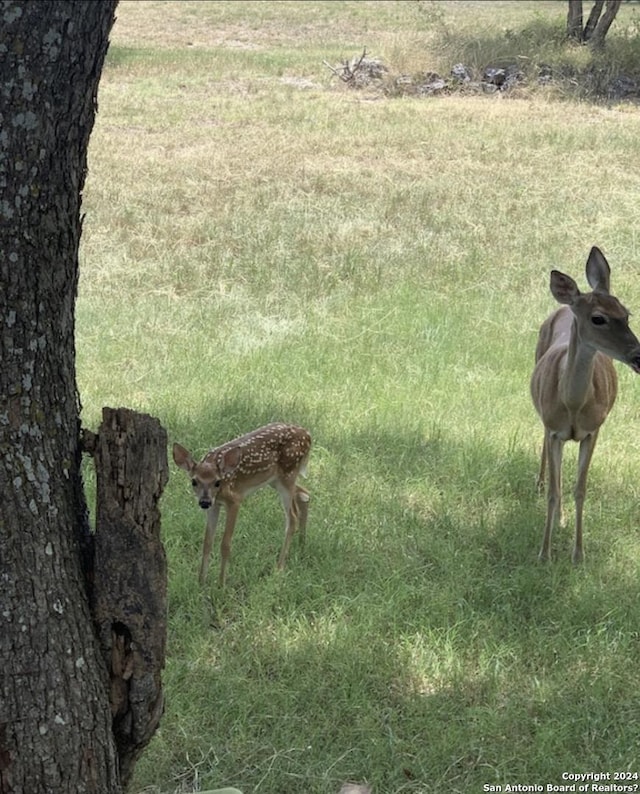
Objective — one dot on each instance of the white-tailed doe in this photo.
(271, 455)
(574, 383)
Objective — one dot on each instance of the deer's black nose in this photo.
(205, 504)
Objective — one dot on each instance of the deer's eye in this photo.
(217, 484)
(598, 319)
(194, 483)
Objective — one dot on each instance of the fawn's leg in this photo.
(286, 492)
(209, 535)
(302, 505)
(225, 546)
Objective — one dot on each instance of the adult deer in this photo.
(275, 455)
(574, 383)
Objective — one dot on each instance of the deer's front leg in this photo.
(209, 535)
(554, 494)
(587, 445)
(225, 546)
(543, 466)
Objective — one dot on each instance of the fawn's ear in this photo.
(182, 458)
(563, 288)
(230, 460)
(598, 271)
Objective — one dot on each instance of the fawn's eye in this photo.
(194, 483)
(217, 484)
(598, 319)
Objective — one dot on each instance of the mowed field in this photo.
(263, 243)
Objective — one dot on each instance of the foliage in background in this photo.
(592, 30)
(535, 41)
(262, 243)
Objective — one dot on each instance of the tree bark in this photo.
(574, 20)
(598, 24)
(55, 718)
(602, 28)
(594, 16)
(129, 581)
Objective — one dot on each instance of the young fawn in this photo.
(275, 455)
(574, 383)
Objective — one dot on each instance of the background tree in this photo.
(597, 25)
(58, 710)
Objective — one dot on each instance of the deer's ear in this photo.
(182, 458)
(563, 288)
(598, 271)
(230, 460)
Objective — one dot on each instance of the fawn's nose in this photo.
(205, 504)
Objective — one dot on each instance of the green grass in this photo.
(262, 243)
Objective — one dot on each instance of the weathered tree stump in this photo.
(128, 580)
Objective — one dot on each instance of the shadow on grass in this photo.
(386, 499)
(414, 642)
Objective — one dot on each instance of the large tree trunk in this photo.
(55, 718)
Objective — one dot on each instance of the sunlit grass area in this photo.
(263, 243)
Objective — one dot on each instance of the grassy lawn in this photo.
(263, 243)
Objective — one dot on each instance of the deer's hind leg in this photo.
(287, 492)
(302, 507)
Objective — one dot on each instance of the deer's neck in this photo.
(577, 380)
